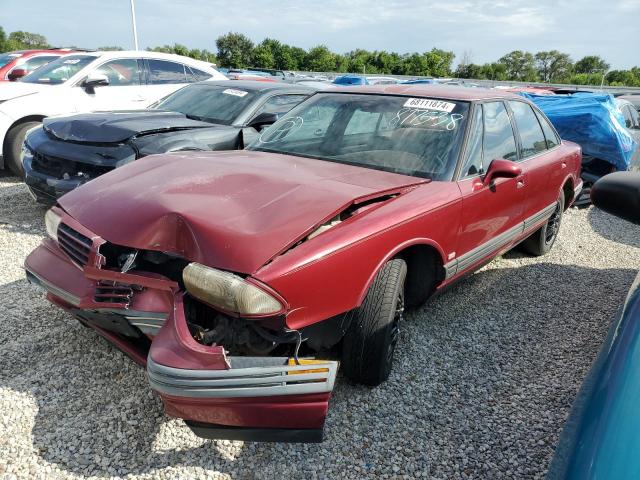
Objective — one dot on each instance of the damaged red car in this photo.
(240, 279)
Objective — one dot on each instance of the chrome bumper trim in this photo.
(256, 381)
(577, 190)
(51, 288)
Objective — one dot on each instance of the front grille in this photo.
(66, 169)
(112, 292)
(74, 244)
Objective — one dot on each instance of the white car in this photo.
(86, 82)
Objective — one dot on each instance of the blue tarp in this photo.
(351, 80)
(592, 121)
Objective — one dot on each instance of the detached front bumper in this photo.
(235, 398)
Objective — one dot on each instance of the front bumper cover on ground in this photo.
(235, 398)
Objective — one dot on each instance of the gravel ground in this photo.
(484, 377)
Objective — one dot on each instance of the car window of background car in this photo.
(280, 104)
(362, 122)
(197, 75)
(417, 140)
(532, 139)
(121, 72)
(499, 141)
(549, 134)
(60, 70)
(7, 58)
(473, 164)
(34, 63)
(210, 103)
(162, 72)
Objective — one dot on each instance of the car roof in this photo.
(257, 86)
(449, 92)
(145, 54)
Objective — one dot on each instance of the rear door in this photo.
(492, 215)
(165, 77)
(542, 166)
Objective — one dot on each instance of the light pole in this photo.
(133, 21)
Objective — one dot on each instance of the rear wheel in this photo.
(541, 241)
(13, 146)
(369, 344)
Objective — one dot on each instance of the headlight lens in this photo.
(228, 291)
(52, 221)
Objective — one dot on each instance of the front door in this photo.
(125, 91)
(492, 215)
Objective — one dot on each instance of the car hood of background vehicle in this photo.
(113, 127)
(11, 90)
(230, 210)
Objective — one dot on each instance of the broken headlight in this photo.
(228, 292)
(52, 221)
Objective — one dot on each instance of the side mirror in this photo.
(95, 80)
(16, 74)
(263, 120)
(501, 168)
(618, 194)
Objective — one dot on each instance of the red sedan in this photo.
(15, 65)
(230, 274)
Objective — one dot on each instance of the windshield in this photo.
(412, 136)
(209, 103)
(60, 70)
(7, 58)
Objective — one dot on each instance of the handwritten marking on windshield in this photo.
(414, 117)
(281, 131)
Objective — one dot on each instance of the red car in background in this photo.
(15, 65)
(231, 274)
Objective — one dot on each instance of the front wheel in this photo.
(541, 241)
(370, 341)
(13, 146)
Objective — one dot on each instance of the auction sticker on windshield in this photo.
(429, 104)
(233, 91)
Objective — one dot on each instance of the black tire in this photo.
(541, 241)
(13, 147)
(370, 341)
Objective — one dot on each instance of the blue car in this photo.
(601, 439)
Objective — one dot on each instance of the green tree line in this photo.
(235, 50)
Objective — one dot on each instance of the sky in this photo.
(480, 30)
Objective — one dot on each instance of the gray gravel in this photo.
(484, 378)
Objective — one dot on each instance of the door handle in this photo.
(139, 99)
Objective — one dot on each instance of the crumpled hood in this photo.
(112, 127)
(230, 210)
(10, 90)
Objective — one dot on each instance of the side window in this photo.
(162, 72)
(123, 72)
(531, 137)
(36, 62)
(280, 104)
(499, 141)
(362, 122)
(196, 75)
(549, 133)
(473, 163)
